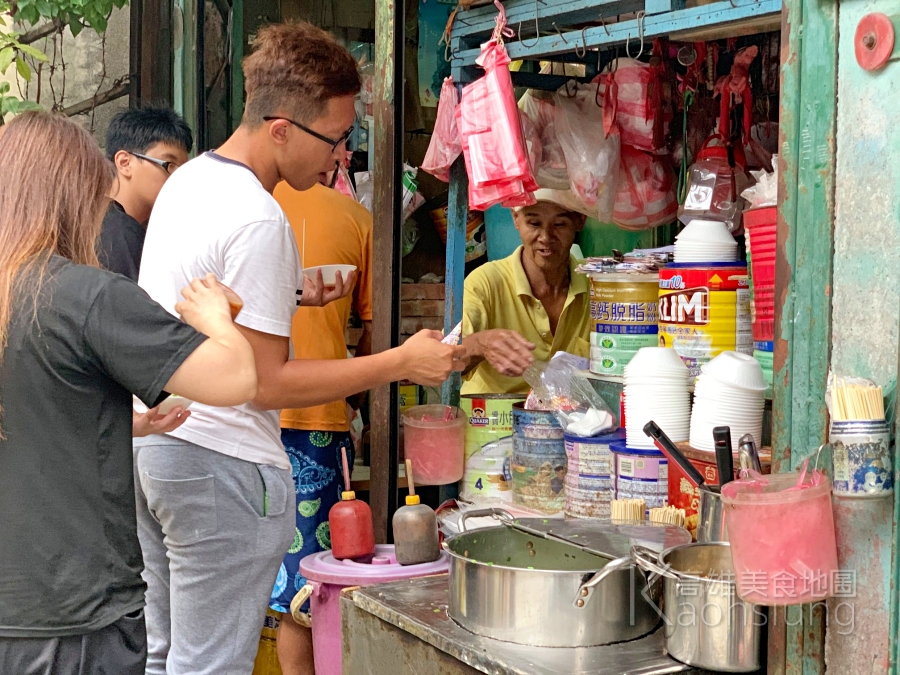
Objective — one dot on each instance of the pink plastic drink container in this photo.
(434, 439)
(782, 539)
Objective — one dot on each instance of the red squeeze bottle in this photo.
(350, 521)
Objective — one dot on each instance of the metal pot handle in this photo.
(497, 514)
(648, 560)
(586, 590)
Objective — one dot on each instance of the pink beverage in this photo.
(434, 439)
(782, 539)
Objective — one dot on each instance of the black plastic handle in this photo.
(724, 458)
(665, 444)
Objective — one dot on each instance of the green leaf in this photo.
(29, 105)
(43, 7)
(7, 55)
(24, 69)
(75, 26)
(4, 87)
(9, 104)
(33, 52)
(28, 14)
(99, 24)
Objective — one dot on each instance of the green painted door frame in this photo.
(803, 280)
(837, 279)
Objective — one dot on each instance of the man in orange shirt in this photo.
(338, 230)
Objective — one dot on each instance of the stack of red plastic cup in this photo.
(760, 225)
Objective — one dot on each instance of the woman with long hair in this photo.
(76, 343)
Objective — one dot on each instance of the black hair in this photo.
(138, 130)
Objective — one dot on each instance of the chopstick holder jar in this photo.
(861, 456)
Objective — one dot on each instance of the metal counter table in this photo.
(402, 628)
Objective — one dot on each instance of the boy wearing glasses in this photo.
(146, 146)
(216, 497)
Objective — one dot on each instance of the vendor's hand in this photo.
(316, 294)
(151, 422)
(205, 306)
(506, 350)
(428, 361)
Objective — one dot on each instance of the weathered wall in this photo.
(866, 315)
(84, 60)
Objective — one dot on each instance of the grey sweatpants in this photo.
(213, 530)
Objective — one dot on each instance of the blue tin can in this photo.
(861, 456)
(538, 460)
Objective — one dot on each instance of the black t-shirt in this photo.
(70, 561)
(121, 242)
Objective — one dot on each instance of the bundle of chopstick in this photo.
(627, 509)
(852, 402)
(667, 515)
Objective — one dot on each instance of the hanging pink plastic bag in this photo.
(490, 129)
(592, 157)
(489, 123)
(646, 196)
(445, 144)
(634, 90)
(343, 184)
(533, 147)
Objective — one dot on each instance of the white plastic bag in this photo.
(560, 386)
(551, 169)
(365, 189)
(592, 158)
(765, 192)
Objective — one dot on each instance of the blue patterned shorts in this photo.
(315, 462)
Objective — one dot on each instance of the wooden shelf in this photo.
(571, 33)
(361, 477)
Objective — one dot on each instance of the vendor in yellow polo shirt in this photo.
(530, 305)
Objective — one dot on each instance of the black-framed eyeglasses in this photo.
(315, 134)
(168, 167)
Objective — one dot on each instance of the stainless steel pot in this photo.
(706, 624)
(520, 582)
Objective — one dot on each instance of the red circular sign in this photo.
(874, 41)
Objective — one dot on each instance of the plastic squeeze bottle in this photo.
(415, 529)
(350, 521)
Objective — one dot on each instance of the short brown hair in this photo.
(295, 68)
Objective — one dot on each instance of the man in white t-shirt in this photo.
(216, 497)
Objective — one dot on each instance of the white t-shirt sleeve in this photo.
(262, 265)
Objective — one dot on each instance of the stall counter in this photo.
(403, 628)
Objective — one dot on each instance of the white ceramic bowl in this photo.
(681, 257)
(690, 247)
(730, 394)
(329, 272)
(654, 397)
(706, 230)
(738, 370)
(655, 360)
(655, 389)
(701, 436)
(166, 406)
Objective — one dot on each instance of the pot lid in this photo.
(604, 538)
